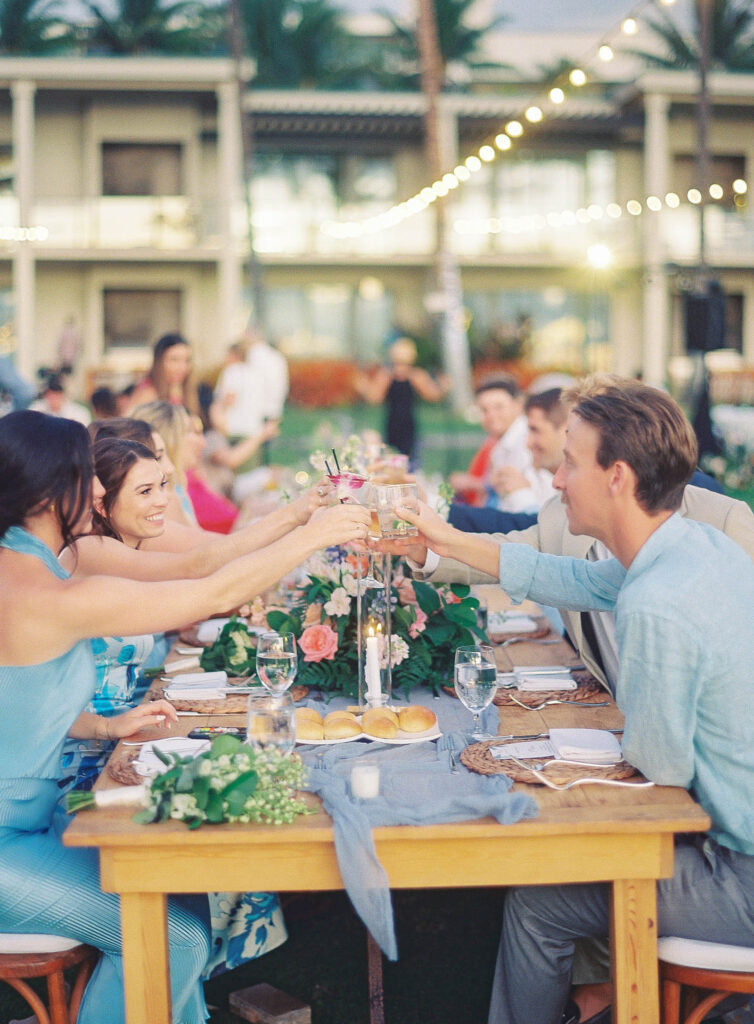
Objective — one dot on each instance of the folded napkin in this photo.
(416, 788)
(207, 632)
(594, 746)
(182, 663)
(200, 680)
(148, 763)
(541, 670)
(505, 622)
(544, 682)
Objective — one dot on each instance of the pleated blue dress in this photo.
(44, 886)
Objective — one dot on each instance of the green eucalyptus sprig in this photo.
(229, 782)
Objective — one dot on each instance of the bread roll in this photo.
(416, 718)
(306, 729)
(371, 714)
(308, 715)
(333, 716)
(341, 728)
(379, 725)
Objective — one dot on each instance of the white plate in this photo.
(402, 737)
(343, 739)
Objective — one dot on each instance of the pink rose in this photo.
(418, 625)
(450, 598)
(319, 643)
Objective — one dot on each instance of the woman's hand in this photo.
(340, 524)
(316, 497)
(156, 713)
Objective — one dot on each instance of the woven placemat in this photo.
(230, 705)
(477, 758)
(587, 692)
(121, 766)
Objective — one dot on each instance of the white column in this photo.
(22, 94)
(655, 304)
(229, 199)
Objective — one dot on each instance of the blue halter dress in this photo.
(44, 886)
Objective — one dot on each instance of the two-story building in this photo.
(121, 210)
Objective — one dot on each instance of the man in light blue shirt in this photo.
(683, 596)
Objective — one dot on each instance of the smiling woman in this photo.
(134, 493)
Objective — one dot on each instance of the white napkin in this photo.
(594, 746)
(209, 631)
(545, 682)
(182, 664)
(502, 622)
(148, 763)
(191, 680)
(198, 686)
(527, 748)
(541, 670)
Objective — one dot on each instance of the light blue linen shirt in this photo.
(684, 614)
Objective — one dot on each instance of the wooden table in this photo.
(588, 834)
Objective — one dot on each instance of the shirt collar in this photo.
(656, 544)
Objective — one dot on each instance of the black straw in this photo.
(335, 456)
(327, 467)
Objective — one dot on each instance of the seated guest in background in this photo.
(47, 487)
(54, 401)
(682, 595)
(103, 403)
(545, 421)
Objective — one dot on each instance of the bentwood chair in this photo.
(690, 968)
(47, 956)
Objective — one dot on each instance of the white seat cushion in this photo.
(12, 943)
(710, 956)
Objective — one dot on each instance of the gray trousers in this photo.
(710, 896)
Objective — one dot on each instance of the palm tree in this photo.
(731, 39)
(32, 27)
(154, 26)
(458, 42)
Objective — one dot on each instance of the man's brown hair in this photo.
(645, 428)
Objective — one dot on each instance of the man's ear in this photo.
(622, 479)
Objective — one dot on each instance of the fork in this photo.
(562, 787)
(558, 700)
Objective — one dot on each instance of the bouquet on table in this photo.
(228, 782)
(427, 624)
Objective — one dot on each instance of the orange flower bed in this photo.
(322, 382)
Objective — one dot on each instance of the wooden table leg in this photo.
(376, 993)
(146, 967)
(633, 938)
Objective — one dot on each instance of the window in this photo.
(137, 317)
(135, 169)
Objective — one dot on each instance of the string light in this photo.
(514, 129)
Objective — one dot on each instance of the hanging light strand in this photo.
(575, 77)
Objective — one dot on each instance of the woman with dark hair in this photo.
(170, 378)
(122, 426)
(47, 486)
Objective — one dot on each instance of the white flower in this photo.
(339, 603)
(399, 650)
(183, 805)
(350, 584)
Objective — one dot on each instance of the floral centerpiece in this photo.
(427, 624)
(228, 782)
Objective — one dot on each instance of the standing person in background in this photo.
(251, 391)
(398, 387)
(170, 379)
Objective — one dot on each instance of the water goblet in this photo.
(271, 723)
(277, 661)
(476, 681)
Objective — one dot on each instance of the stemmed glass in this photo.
(277, 662)
(476, 681)
(271, 723)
